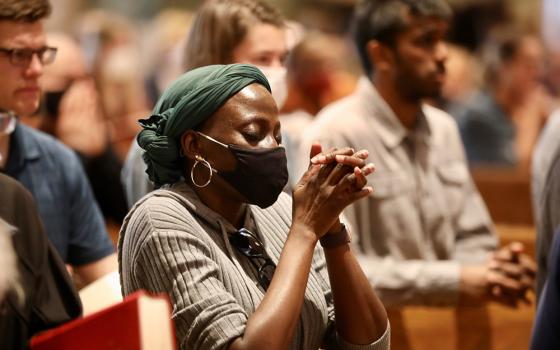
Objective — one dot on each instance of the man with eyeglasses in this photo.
(48, 169)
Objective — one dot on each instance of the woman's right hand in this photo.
(334, 180)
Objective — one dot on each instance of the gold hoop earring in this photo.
(199, 159)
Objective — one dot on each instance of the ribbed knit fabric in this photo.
(172, 243)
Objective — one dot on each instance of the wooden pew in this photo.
(493, 327)
(507, 195)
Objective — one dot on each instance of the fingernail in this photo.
(318, 158)
(368, 169)
(339, 158)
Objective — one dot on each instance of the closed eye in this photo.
(252, 137)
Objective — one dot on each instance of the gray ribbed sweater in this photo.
(171, 242)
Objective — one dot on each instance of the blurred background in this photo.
(133, 49)
(331, 15)
(124, 41)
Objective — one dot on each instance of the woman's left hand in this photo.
(345, 164)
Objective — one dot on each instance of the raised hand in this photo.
(80, 124)
(334, 180)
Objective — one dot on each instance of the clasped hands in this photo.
(506, 277)
(334, 180)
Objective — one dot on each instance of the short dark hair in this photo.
(24, 10)
(383, 20)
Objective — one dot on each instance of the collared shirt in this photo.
(425, 216)
(55, 177)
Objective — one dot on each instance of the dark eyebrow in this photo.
(259, 119)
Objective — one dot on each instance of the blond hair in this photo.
(220, 26)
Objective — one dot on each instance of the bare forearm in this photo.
(95, 270)
(273, 323)
(360, 316)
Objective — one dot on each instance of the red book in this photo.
(140, 322)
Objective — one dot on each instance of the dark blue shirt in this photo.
(546, 332)
(487, 132)
(54, 175)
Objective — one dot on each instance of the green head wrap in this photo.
(189, 101)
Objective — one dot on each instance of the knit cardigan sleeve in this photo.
(168, 251)
(173, 259)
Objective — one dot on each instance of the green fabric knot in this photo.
(155, 122)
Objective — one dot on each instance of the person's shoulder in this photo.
(336, 120)
(554, 172)
(547, 144)
(18, 208)
(444, 129)
(335, 108)
(163, 209)
(134, 155)
(7, 182)
(49, 146)
(438, 118)
(552, 125)
(13, 191)
(340, 110)
(161, 216)
(480, 107)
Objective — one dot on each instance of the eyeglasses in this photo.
(23, 57)
(250, 246)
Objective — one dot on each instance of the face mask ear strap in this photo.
(200, 160)
(213, 139)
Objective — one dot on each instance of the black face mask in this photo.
(260, 174)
